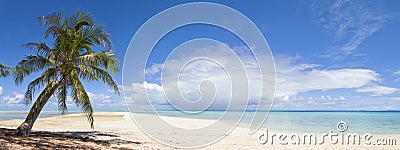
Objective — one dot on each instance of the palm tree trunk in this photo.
(25, 128)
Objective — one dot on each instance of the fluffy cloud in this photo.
(17, 98)
(341, 98)
(138, 94)
(218, 78)
(377, 90)
(153, 69)
(293, 77)
(1, 90)
(397, 74)
(395, 98)
(99, 99)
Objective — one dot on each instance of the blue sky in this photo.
(335, 55)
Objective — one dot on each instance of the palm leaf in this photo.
(45, 78)
(4, 70)
(95, 73)
(80, 97)
(62, 97)
(41, 48)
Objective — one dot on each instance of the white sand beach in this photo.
(118, 131)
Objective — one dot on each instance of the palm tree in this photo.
(70, 60)
(4, 70)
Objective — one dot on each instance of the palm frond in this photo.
(96, 36)
(80, 19)
(54, 23)
(4, 70)
(19, 74)
(80, 97)
(31, 64)
(36, 63)
(61, 94)
(41, 49)
(104, 59)
(95, 73)
(46, 77)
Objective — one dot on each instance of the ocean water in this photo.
(313, 122)
(10, 115)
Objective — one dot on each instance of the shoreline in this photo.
(111, 116)
(116, 130)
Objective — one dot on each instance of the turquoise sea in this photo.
(9, 115)
(374, 122)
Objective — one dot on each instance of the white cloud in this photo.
(154, 69)
(285, 98)
(350, 22)
(137, 96)
(341, 98)
(96, 97)
(395, 98)
(105, 100)
(293, 78)
(321, 102)
(377, 90)
(1, 90)
(18, 98)
(192, 77)
(397, 73)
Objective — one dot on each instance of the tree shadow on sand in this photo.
(59, 140)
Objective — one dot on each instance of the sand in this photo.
(116, 130)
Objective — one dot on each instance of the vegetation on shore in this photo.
(63, 65)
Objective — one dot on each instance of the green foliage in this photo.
(4, 70)
(68, 61)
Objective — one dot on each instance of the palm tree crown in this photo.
(70, 60)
